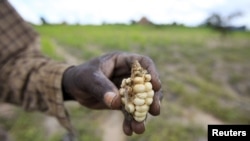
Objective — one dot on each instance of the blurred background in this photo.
(201, 49)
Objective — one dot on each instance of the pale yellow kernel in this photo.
(148, 86)
(122, 91)
(123, 100)
(139, 88)
(141, 95)
(142, 108)
(150, 94)
(147, 77)
(138, 80)
(123, 83)
(138, 101)
(140, 114)
(149, 101)
(130, 107)
(139, 119)
(128, 81)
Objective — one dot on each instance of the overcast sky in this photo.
(188, 12)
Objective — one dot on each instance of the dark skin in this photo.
(95, 85)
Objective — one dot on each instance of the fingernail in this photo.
(112, 100)
(138, 127)
(116, 102)
(108, 98)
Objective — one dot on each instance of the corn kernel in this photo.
(139, 119)
(141, 95)
(138, 80)
(139, 88)
(139, 101)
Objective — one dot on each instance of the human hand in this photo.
(95, 84)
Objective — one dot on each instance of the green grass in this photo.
(198, 68)
(24, 126)
(197, 55)
(48, 48)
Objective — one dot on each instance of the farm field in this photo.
(205, 79)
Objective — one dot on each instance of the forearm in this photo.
(32, 81)
(27, 78)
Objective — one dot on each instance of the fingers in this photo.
(127, 129)
(155, 107)
(148, 64)
(111, 95)
(112, 100)
(130, 126)
(99, 86)
(108, 91)
(125, 60)
(137, 127)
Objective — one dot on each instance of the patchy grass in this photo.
(48, 48)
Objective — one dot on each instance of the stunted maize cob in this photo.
(137, 93)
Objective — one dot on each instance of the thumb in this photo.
(105, 90)
(112, 100)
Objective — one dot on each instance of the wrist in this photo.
(66, 79)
